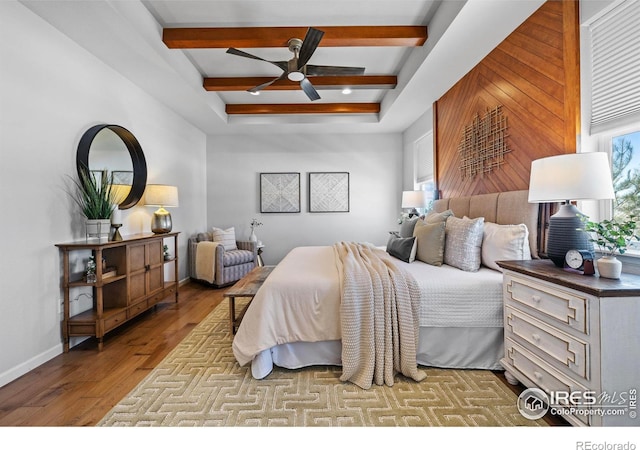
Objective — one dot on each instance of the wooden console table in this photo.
(247, 287)
(134, 284)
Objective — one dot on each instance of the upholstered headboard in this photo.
(504, 208)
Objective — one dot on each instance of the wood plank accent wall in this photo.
(535, 75)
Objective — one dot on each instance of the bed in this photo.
(293, 321)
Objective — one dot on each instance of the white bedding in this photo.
(299, 303)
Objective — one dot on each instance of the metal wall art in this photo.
(483, 146)
(280, 192)
(328, 191)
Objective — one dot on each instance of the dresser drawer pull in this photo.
(538, 375)
(536, 298)
(536, 337)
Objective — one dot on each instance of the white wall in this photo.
(51, 91)
(374, 163)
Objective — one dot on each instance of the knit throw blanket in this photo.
(379, 316)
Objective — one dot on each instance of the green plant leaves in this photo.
(612, 236)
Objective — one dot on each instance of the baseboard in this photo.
(27, 366)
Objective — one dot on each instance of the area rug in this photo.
(200, 384)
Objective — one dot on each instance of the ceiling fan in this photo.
(297, 69)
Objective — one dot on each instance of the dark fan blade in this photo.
(308, 89)
(268, 83)
(281, 64)
(333, 70)
(309, 45)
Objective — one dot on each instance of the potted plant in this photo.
(167, 256)
(612, 238)
(96, 202)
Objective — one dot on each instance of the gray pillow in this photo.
(463, 243)
(433, 217)
(406, 228)
(402, 248)
(431, 241)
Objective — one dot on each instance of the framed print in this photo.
(280, 192)
(329, 192)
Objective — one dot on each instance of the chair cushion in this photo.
(235, 257)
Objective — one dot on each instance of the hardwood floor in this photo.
(78, 388)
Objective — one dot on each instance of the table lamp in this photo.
(413, 200)
(565, 178)
(162, 196)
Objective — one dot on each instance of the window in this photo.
(423, 164)
(625, 168)
(610, 62)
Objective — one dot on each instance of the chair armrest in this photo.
(249, 245)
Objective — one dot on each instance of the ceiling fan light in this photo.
(254, 92)
(295, 76)
(346, 91)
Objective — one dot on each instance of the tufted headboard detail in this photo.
(504, 208)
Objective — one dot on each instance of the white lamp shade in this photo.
(414, 199)
(575, 176)
(161, 195)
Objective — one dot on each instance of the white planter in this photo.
(253, 237)
(609, 267)
(98, 228)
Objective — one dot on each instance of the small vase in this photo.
(609, 267)
(253, 237)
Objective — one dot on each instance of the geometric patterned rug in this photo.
(200, 384)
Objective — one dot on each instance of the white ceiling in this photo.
(127, 35)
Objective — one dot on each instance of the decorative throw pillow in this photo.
(431, 239)
(402, 248)
(504, 243)
(225, 237)
(433, 216)
(463, 243)
(406, 228)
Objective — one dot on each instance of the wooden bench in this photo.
(247, 287)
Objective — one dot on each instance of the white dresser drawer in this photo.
(569, 352)
(543, 375)
(563, 306)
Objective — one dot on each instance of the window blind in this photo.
(615, 47)
(424, 158)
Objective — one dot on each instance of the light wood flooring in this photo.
(78, 388)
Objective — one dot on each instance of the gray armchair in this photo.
(230, 265)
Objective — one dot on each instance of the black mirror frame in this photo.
(135, 151)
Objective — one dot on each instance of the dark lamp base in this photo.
(565, 233)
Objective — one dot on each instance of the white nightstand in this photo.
(566, 332)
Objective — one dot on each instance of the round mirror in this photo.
(112, 151)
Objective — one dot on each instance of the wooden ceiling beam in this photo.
(320, 82)
(304, 108)
(262, 37)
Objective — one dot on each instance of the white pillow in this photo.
(504, 243)
(225, 237)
